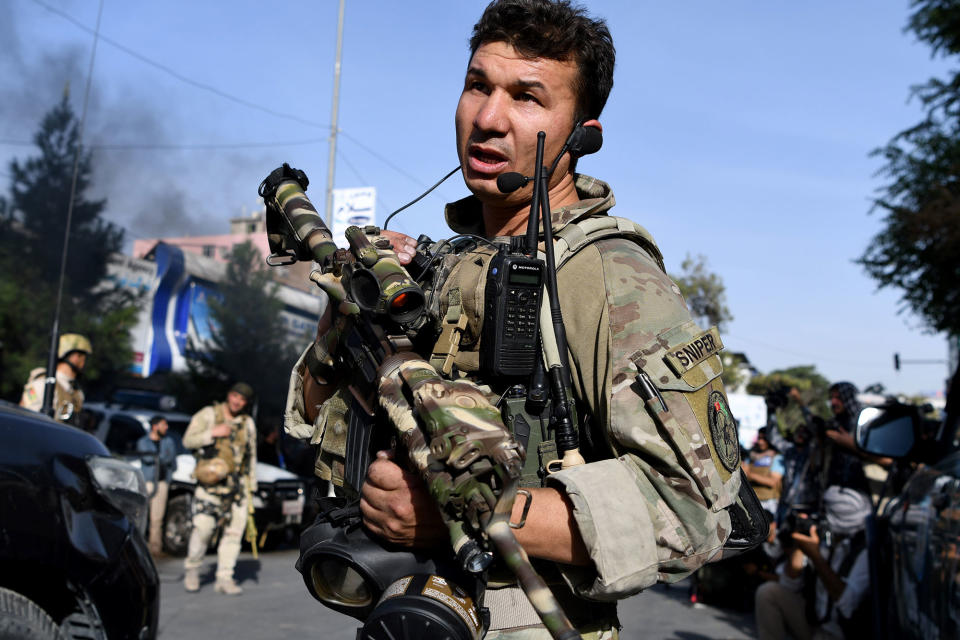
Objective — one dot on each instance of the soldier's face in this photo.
(236, 402)
(78, 359)
(506, 100)
(836, 404)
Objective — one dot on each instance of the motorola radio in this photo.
(511, 333)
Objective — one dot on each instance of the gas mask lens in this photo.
(336, 582)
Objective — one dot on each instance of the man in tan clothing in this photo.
(225, 441)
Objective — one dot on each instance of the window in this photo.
(209, 250)
(123, 435)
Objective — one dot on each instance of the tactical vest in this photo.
(227, 457)
(462, 310)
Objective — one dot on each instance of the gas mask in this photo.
(396, 592)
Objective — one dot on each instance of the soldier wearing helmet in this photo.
(224, 440)
(72, 352)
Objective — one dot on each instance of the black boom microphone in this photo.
(582, 141)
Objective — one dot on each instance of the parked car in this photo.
(915, 549)
(278, 501)
(74, 560)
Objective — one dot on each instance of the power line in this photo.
(383, 159)
(179, 76)
(120, 146)
(362, 180)
(808, 356)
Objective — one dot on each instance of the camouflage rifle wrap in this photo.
(478, 453)
(294, 228)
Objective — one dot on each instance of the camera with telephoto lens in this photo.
(396, 592)
(798, 519)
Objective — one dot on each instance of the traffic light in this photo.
(896, 361)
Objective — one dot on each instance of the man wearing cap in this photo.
(224, 441)
(72, 352)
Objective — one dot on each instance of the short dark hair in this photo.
(156, 420)
(557, 30)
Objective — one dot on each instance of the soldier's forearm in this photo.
(550, 531)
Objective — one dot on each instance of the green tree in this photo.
(32, 222)
(704, 291)
(706, 296)
(39, 198)
(918, 248)
(249, 342)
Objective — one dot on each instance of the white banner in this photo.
(352, 207)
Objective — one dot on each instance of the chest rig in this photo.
(459, 316)
(451, 340)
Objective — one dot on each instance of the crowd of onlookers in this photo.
(810, 578)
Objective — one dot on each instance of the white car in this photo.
(278, 501)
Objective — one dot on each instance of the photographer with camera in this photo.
(822, 586)
(799, 482)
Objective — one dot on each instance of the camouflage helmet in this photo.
(243, 389)
(73, 342)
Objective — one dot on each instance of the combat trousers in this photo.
(158, 507)
(208, 509)
(780, 611)
(541, 633)
(512, 617)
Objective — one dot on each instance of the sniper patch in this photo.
(723, 430)
(684, 357)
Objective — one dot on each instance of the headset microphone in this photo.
(582, 141)
(510, 182)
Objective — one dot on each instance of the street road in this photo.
(276, 604)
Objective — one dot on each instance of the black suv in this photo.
(73, 557)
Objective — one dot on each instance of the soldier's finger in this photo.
(385, 474)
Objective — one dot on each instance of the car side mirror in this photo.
(888, 431)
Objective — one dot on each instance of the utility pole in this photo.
(331, 161)
(52, 357)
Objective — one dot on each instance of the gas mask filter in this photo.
(396, 592)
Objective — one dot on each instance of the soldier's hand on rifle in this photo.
(403, 245)
(397, 506)
(221, 430)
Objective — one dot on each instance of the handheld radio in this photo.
(511, 331)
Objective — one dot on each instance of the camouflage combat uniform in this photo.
(649, 503)
(225, 502)
(65, 394)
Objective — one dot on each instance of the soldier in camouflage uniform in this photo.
(73, 350)
(230, 438)
(661, 446)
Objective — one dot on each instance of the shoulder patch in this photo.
(723, 431)
(686, 356)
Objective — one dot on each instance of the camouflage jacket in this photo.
(652, 509)
(67, 398)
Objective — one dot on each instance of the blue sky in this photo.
(736, 130)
